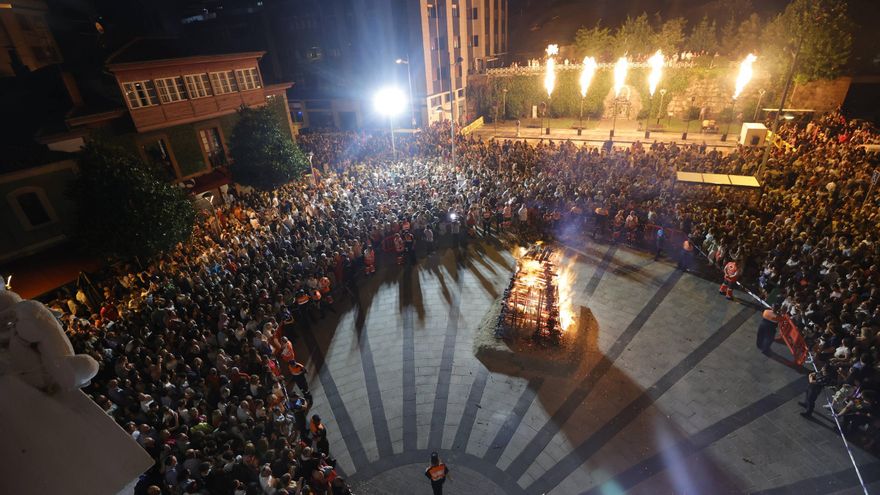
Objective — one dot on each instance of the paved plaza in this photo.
(673, 396)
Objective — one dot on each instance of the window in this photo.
(140, 93)
(432, 11)
(158, 155)
(297, 112)
(32, 207)
(475, 13)
(455, 42)
(171, 89)
(198, 85)
(212, 146)
(476, 40)
(442, 42)
(224, 82)
(455, 10)
(248, 78)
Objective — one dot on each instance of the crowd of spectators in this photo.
(198, 349)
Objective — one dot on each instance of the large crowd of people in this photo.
(198, 350)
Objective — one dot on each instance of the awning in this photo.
(717, 179)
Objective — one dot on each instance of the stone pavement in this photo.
(676, 400)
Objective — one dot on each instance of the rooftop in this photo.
(158, 49)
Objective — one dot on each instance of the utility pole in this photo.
(775, 129)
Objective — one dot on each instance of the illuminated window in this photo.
(198, 85)
(248, 79)
(170, 89)
(140, 93)
(224, 82)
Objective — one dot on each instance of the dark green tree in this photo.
(704, 37)
(670, 36)
(823, 30)
(263, 152)
(124, 207)
(595, 42)
(634, 36)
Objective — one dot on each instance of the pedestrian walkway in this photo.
(674, 397)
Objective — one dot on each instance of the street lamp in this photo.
(404, 61)
(758, 105)
(390, 102)
(729, 120)
(660, 110)
(620, 70)
(687, 127)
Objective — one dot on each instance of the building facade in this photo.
(467, 35)
(26, 43)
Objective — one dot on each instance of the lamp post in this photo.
(794, 61)
(660, 110)
(412, 111)
(687, 125)
(729, 120)
(453, 102)
(390, 101)
(504, 103)
(758, 105)
(581, 118)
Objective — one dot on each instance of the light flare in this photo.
(587, 73)
(620, 70)
(745, 74)
(550, 74)
(656, 62)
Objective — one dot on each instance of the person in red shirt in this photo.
(731, 275)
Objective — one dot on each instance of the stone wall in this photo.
(822, 96)
(715, 95)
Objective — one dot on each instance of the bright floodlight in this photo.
(390, 101)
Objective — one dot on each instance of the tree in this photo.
(670, 36)
(595, 42)
(703, 37)
(824, 32)
(748, 36)
(124, 207)
(264, 155)
(634, 36)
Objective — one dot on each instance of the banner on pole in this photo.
(793, 339)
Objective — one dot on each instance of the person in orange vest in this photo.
(302, 308)
(398, 248)
(319, 435)
(767, 328)
(437, 473)
(369, 261)
(298, 377)
(731, 274)
(687, 253)
(324, 287)
(286, 352)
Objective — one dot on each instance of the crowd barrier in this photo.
(794, 339)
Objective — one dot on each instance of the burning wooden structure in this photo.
(530, 305)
